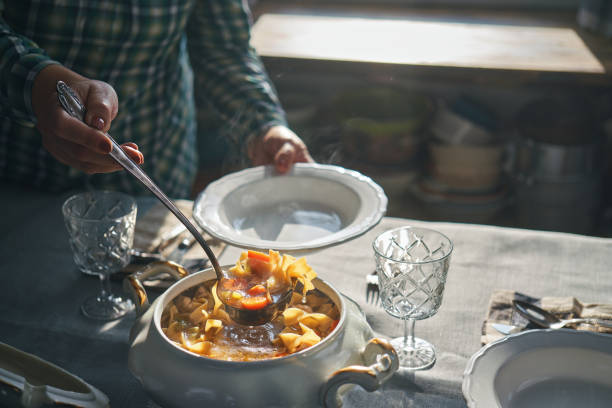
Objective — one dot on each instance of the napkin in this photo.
(155, 231)
(500, 311)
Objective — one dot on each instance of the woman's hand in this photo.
(72, 142)
(281, 147)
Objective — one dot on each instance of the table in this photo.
(41, 292)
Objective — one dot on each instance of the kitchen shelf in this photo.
(473, 45)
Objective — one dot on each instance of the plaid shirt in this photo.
(146, 50)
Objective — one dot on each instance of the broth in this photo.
(196, 321)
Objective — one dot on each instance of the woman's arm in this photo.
(230, 75)
(28, 77)
(20, 61)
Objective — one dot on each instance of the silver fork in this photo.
(372, 290)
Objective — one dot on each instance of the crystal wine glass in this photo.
(101, 232)
(412, 264)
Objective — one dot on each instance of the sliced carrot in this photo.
(259, 256)
(257, 290)
(254, 303)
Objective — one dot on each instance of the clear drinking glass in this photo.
(101, 231)
(412, 264)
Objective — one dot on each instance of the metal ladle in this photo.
(71, 104)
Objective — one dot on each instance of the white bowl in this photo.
(41, 383)
(452, 128)
(465, 167)
(541, 368)
(312, 206)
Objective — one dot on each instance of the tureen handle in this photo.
(383, 362)
(133, 283)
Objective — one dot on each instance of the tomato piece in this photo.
(254, 303)
(259, 256)
(333, 325)
(257, 290)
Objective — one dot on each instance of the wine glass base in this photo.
(422, 356)
(109, 307)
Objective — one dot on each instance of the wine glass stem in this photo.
(409, 333)
(105, 288)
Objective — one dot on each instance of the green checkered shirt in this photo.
(151, 52)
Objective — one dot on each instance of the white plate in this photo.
(34, 381)
(312, 206)
(542, 368)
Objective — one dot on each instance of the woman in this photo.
(135, 65)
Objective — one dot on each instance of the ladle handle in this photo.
(71, 103)
(590, 321)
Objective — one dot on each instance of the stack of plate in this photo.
(466, 168)
(441, 203)
(464, 177)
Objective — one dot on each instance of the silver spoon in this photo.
(546, 319)
(71, 104)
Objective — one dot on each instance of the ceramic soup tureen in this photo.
(175, 377)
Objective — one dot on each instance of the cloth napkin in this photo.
(151, 234)
(500, 311)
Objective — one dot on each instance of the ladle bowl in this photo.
(261, 316)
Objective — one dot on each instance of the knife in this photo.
(506, 328)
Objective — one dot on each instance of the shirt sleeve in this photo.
(20, 60)
(228, 73)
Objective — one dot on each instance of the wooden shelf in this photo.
(522, 47)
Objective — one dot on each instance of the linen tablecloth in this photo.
(42, 291)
